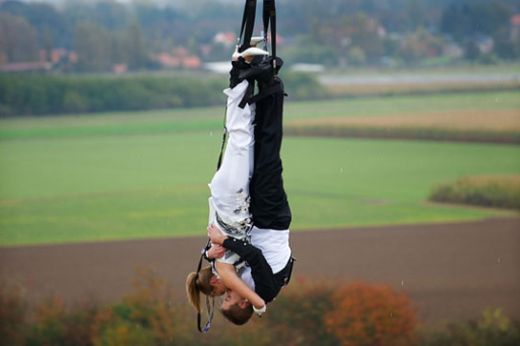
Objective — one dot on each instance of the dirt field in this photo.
(460, 120)
(451, 271)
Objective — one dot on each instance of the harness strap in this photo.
(248, 24)
(274, 89)
(269, 16)
(248, 96)
(224, 138)
(210, 312)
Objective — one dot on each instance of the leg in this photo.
(269, 205)
(230, 184)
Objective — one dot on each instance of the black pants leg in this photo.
(269, 205)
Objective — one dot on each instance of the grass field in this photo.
(141, 175)
(211, 118)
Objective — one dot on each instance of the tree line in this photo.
(106, 32)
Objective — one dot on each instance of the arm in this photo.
(215, 251)
(261, 271)
(265, 284)
(230, 279)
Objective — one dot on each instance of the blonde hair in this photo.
(195, 284)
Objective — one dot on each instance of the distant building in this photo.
(179, 58)
(452, 50)
(73, 57)
(167, 60)
(58, 55)
(309, 68)
(515, 27)
(485, 44)
(191, 62)
(26, 66)
(218, 67)
(120, 68)
(227, 39)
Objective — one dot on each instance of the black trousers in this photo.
(269, 206)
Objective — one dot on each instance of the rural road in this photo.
(417, 78)
(451, 271)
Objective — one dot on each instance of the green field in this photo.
(141, 175)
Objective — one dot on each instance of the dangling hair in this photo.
(195, 284)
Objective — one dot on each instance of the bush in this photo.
(144, 317)
(53, 324)
(303, 86)
(296, 318)
(487, 191)
(366, 314)
(13, 310)
(38, 95)
(305, 313)
(493, 328)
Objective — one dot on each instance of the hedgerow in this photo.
(306, 313)
(35, 95)
(500, 191)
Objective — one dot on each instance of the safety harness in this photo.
(244, 42)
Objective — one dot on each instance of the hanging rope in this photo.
(269, 17)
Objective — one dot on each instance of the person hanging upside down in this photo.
(249, 212)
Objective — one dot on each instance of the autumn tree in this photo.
(370, 315)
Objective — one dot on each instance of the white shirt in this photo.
(274, 245)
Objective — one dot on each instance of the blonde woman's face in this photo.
(218, 287)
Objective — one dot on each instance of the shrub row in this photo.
(40, 94)
(305, 314)
(404, 133)
(488, 191)
(492, 328)
(37, 94)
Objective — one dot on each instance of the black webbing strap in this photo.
(269, 16)
(224, 137)
(210, 307)
(276, 88)
(248, 24)
(248, 95)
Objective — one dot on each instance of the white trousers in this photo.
(229, 201)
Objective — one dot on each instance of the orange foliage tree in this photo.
(371, 315)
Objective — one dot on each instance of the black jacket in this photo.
(267, 284)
